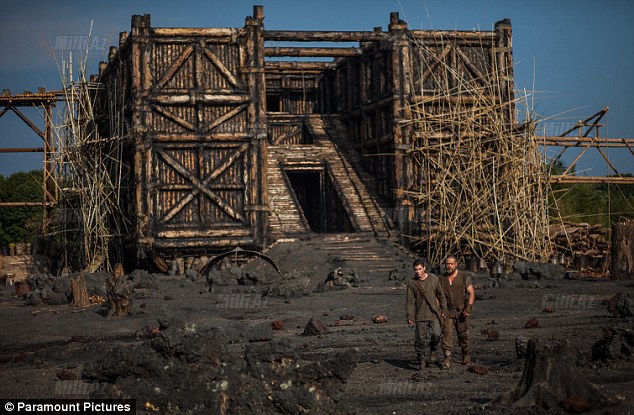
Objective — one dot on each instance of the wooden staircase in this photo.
(286, 218)
(372, 258)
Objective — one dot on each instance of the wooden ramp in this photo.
(286, 218)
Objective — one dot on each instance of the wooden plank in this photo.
(299, 65)
(220, 66)
(175, 66)
(219, 99)
(201, 186)
(186, 31)
(225, 117)
(22, 150)
(591, 179)
(189, 137)
(232, 231)
(322, 36)
(171, 116)
(312, 52)
(27, 121)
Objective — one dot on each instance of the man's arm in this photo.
(440, 294)
(469, 307)
(410, 304)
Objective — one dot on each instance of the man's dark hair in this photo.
(419, 262)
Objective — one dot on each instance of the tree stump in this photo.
(119, 293)
(622, 251)
(80, 291)
(550, 378)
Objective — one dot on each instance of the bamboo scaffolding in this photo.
(480, 183)
(91, 173)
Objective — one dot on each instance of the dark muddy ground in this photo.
(231, 360)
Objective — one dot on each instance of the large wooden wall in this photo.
(198, 127)
(196, 102)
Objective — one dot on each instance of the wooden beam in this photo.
(312, 52)
(187, 31)
(450, 35)
(590, 179)
(22, 150)
(556, 141)
(28, 121)
(308, 66)
(322, 36)
(11, 204)
(219, 99)
(175, 66)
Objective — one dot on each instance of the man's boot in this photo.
(446, 364)
(432, 358)
(466, 357)
(421, 361)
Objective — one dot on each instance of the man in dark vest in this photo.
(426, 305)
(460, 296)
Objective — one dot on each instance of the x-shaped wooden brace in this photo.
(201, 186)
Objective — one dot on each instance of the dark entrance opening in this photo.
(319, 201)
(273, 102)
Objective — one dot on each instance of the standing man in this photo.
(424, 297)
(460, 296)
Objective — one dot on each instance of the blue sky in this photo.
(576, 55)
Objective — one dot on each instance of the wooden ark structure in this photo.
(234, 140)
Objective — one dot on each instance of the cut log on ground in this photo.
(80, 291)
(551, 377)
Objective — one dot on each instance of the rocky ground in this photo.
(236, 341)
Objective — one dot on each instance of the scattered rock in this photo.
(266, 378)
(478, 369)
(277, 325)
(339, 279)
(616, 344)
(575, 404)
(346, 317)
(621, 305)
(64, 374)
(492, 335)
(315, 327)
(539, 271)
(292, 285)
(223, 277)
(548, 310)
(5, 358)
(142, 280)
(532, 323)
(379, 319)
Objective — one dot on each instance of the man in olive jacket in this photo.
(424, 299)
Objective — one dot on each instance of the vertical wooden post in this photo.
(622, 251)
(401, 130)
(138, 35)
(256, 85)
(504, 64)
(49, 188)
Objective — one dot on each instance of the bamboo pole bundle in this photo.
(91, 172)
(480, 184)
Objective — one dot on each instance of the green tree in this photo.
(20, 223)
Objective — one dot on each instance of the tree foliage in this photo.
(597, 204)
(20, 224)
